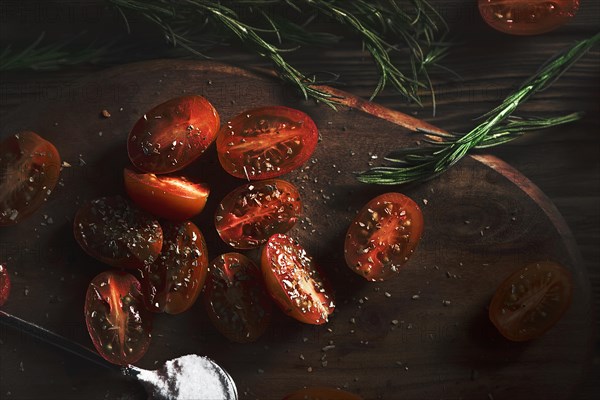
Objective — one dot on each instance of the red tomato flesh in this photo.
(29, 170)
(4, 284)
(250, 214)
(294, 281)
(266, 142)
(119, 325)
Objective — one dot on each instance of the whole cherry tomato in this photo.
(250, 214)
(294, 281)
(173, 134)
(531, 301)
(171, 197)
(321, 393)
(4, 284)
(115, 232)
(383, 236)
(266, 142)
(29, 170)
(119, 325)
(173, 282)
(236, 299)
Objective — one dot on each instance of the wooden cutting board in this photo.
(483, 221)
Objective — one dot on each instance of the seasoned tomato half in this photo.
(29, 170)
(118, 323)
(173, 282)
(321, 393)
(172, 197)
(294, 281)
(250, 214)
(383, 236)
(531, 301)
(173, 134)
(4, 284)
(117, 233)
(266, 142)
(236, 299)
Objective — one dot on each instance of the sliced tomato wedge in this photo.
(321, 393)
(171, 197)
(4, 284)
(29, 170)
(294, 281)
(531, 301)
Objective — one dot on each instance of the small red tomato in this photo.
(266, 142)
(174, 281)
(527, 17)
(115, 232)
(383, 236)
(294, 282)
(118, 323)
(250, 214)
(171, 197)
(236, 299)
(321, 393)
(531, 301)
(4, 284)
(29, 169)
(173, 134)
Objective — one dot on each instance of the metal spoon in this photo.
(170, 382)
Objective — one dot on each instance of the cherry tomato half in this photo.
(174, 281)
(236, 299)
(383, 236)
(171, 197)
(321, 393)
(173, 134)
(4, 284)
(294, 282)
(250, 214)
(115, 232)
(266, 142)
(118, 323)
(531, 301)
(29, 169)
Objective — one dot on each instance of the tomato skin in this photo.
(266, 142)
(173, 282)
(29, 171)
(251, 213)
(173, 134)
(4, 284)
(236, 299)
(119, 325)
(383, 236)
(531, 301)
(295, 282)
(114, 231)
(170, 197)
(321, 393)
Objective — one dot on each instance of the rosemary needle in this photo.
(499, 126)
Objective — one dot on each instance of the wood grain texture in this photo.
(483, 222)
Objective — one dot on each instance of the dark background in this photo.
(564, 162)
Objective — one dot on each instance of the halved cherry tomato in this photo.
(173, 134)
(118, 323)
(4, 284)
(321, 393)
(250, 214)
(29, 169)
(171, 197)
(236, 299)
(174, 281)
(115, 232)
(294, 282)
(383, 236)
(266, 142)
(531, 301)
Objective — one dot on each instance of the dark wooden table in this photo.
(563, 162)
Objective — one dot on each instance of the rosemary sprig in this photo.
(418, 164)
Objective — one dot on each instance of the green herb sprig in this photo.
(499, 126)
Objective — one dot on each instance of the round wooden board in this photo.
(483, 221)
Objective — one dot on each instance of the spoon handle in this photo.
(54, 339)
